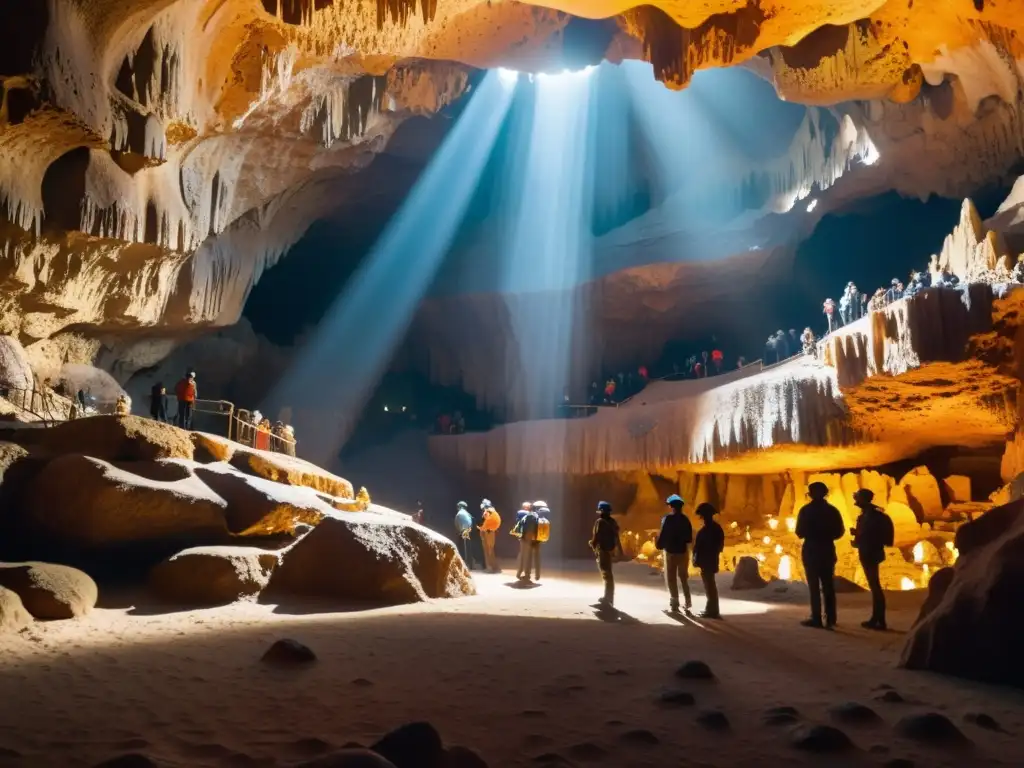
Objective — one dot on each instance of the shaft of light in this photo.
(352, 346)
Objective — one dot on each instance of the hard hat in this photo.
(485, 503)
(674, 499)
(462, 505)
(604, 506)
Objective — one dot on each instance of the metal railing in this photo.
(247, 432)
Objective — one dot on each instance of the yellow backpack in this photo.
(543, 529)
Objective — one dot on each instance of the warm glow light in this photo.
(919, 552)
(785, 568)
(767, 539)
(778, 549)
(812, 205)
(746, 535)
(907, 584)
(791, 524)
(773, 523)
(761, 557)
(734, 524)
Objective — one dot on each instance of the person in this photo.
(872, 533)
(81, 400)
(289, 440)
(444, 424)
(771, 351)
(517, 531)
(490, 522)
(782, 344)
(463, 526)
(419, 516)
(642, 371)
(717, 358)
(1017, 275)
(186, 392)
(740, 362)
(532, 539)
(263, 434)
(707, 553)
(845, 314)
(704, 362)
(609, 391)
(829, 308)
(895, 291)
(606, 545)
(698, 370)
(794, 341)
(123, 406)
(674, 540)
(158, 402)
(819, 524)
(807, 340)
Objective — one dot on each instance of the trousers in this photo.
(677, 569)
(604, 565)
(490, 559)
(185, 414)
(711, 592)
(531, 559)
(877, 595)
(821, 581)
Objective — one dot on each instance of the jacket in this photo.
(676, 533)
(819, 524)
(186, 391)
(606, 535)
(708, 546)
(874, 532)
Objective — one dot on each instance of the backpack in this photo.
(463, 521)
(520, 525)
(543, 529)
(491, 521)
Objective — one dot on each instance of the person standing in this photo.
(873, 533)
(419, 517)
(531, 548)
(674, 540)
(186, 392)
(707, 553)
(490, 521)
(517, 531)
(829, 310)
(463, 527)
(820, 524)
(158, 402)
(717, 358)
(606, 545)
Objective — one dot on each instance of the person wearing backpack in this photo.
(674, 540)
(536, 531)
(517, 531)
(606, 545)
(707, 552)
(873, 533)
(463, 526)
(490, 522)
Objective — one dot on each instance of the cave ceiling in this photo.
(157, 156)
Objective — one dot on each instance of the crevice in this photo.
(63, 191)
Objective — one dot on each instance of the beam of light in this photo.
(812, 205)
(508, 76)
(353, 344)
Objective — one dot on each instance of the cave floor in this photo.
(516, 674)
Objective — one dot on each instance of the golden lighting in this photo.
(767, 539)
(760, 557)
(919, 552)
(785, 568)
(907, 584)
(734, 524)
(791, 524)
(773, 523)
(924, 569)
(954, 552)
(746, 535)
(778, 549)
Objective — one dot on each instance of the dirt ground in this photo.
(526, 677)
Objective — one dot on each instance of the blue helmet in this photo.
(604, 506)
(675, 500)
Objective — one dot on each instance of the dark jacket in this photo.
(676, 533)
(158, 404)
(819, 524)
(530, 521)
(874, 532)
(708, 546)
(606, 535)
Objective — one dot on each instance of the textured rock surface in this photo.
(50, 591)
(213, 575)
(13, 616)
(381, 559)
(15, 368)
(111, 438)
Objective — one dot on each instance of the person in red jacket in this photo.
(716, 359)
(186, 392)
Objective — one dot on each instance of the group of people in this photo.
(256, 430)
(186, 393)
(477, 534)
(853, 304)
(450, 423)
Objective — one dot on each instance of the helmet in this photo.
(462, 505)
(864, 494)
(485, 503)
(674, 500)
(706, 510)
(527, 505)
(604, 506)
(539, 504)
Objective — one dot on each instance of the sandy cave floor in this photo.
(515, 674)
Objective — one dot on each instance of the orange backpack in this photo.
(491, 521)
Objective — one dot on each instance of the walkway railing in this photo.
(248, 433)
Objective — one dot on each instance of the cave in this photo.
(467, 334)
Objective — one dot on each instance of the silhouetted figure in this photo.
(829, 310)
(595, 394)
(490, 522)
(872, 534)
(517, 531)
(158, 402)
(771, 351)
(536, 527)
(807, 341)
(464, 528)
(704, 362)
(707, 553)
(81, 399)
(819, 524)
(674, 540)
(606, 545)
(782, 344)
(717, 358)
(895, 291)
(186, 392)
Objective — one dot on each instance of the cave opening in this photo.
(63, 191)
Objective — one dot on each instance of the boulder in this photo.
(289, 470)
(377, 558)
(88, 503)
(209, 448)
(257, 506)
(213, 575)
(923, 495)
(904, 523)
(970, 626)
(15, 368)
(958, 488)
(50, 591)
(747, 575)
(288, 653)
(10, 454)
(111, 438)
(13, 616)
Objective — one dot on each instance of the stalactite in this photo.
(341, 112)
(400, 10)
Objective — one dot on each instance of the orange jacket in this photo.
(186, 391)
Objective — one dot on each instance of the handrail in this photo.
(254, 436)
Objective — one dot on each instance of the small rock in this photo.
(640, 737)
(713, 720)
(853, 712)
(821, 739)
(677, 698)
(982, 720)
(933, 728)
(695, 670)
(413, 745)
(130, 760)
(781, 716)
(747, 575)
(461, 757)
(889, 696)
(289, 652)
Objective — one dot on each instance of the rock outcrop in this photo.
(13, 616)
(110, 438)
(50, 591)
(213, 575)
(970, 625)
(15, 368)
(380, 558)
